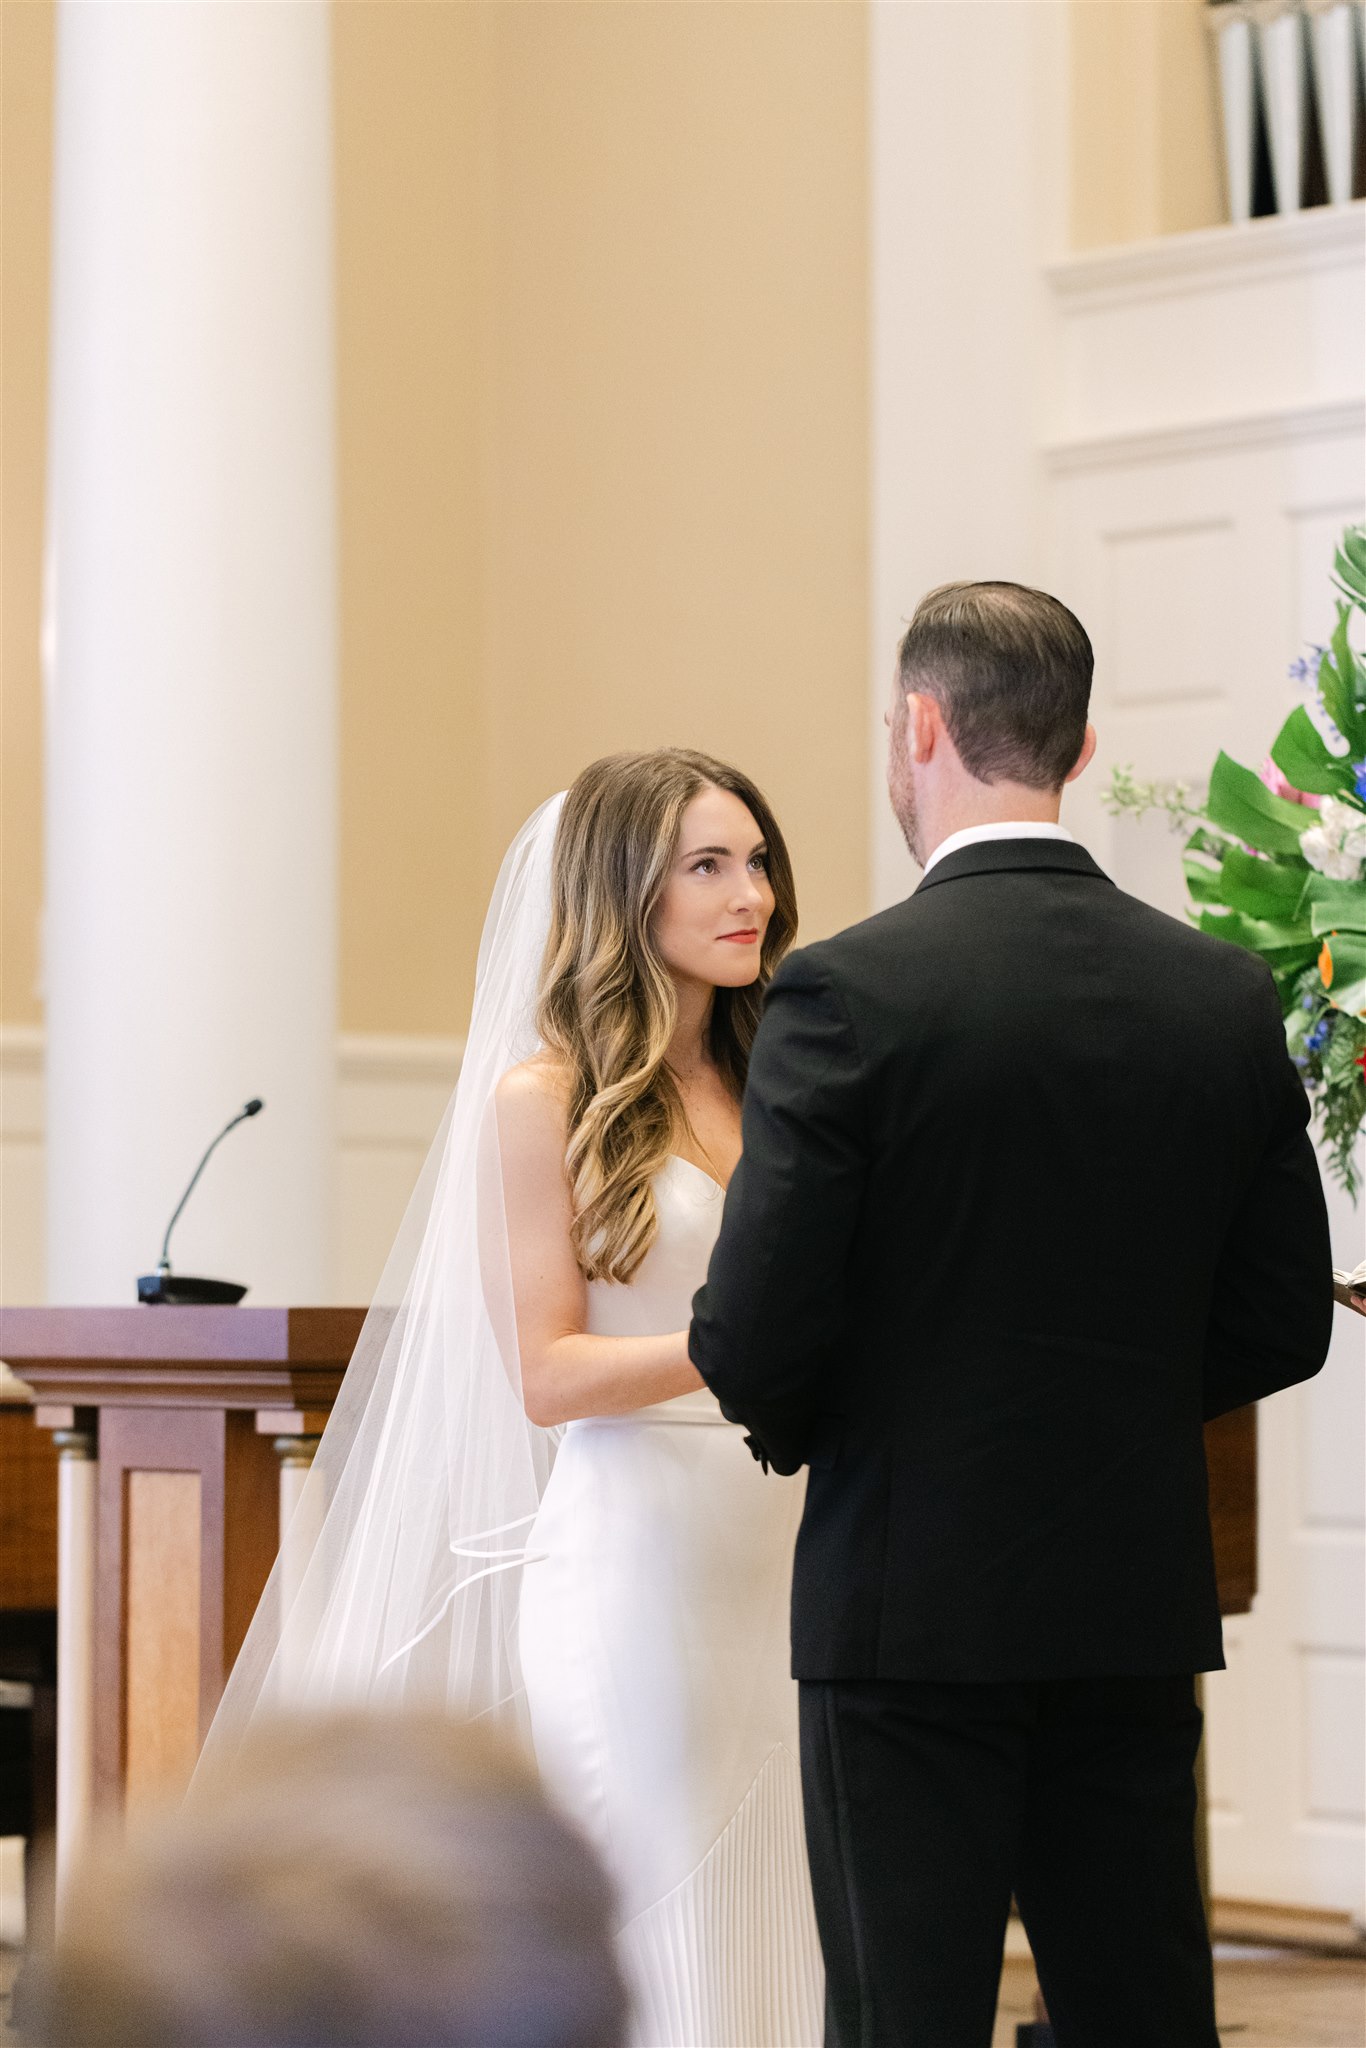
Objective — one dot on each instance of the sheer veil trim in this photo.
(399, 1577)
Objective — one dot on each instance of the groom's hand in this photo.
(758, 1450)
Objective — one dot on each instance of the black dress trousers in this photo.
(928, 1805)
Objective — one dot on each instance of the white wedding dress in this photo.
(616, 1592)
(654, 1648)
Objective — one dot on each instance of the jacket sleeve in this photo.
(1272, 1309)
(767, 1323)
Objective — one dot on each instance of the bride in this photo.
(526, 1503)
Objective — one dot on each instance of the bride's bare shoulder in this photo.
(531, 1104)
(535, 1095)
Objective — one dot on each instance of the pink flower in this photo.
(1277, 784)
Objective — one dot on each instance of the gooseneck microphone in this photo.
(164, 1285)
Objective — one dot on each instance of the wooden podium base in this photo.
(187, 1531)
(182, 1436)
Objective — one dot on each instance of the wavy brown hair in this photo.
(608, 1006)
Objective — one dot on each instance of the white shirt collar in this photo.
(971, 834)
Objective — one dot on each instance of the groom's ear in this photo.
(1083, 760)
(925, 728)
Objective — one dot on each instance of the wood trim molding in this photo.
(183, 1357)
(267, 1336)
(68, 1385)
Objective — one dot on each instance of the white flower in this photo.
(1329, 858)
(1345, 826)
(1335, 843)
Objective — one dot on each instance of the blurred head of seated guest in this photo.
(373, 1881)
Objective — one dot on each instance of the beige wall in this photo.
(407, 87)
(604, 439)
(1145, 125)
(603, 422)
(25, 196)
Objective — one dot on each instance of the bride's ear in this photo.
(1084, 758)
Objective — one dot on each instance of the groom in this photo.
(1026, 1196)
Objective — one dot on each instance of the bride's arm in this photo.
(566, 1373)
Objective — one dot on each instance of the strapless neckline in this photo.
(657, 1299)
(709, 1178)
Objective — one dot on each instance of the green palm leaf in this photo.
(1286, 948)
(1342, 686)
(1333, 906)
(1305, 762)
(1261, 888)
(1242, 804)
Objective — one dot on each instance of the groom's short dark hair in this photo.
(1010, 668)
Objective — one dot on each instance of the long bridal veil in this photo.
(398, 1578)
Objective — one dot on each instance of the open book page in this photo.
(1345, 1285)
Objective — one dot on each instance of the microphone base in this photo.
(184, 1290)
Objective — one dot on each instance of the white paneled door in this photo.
(1203, 571)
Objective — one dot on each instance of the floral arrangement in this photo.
(1276, 863)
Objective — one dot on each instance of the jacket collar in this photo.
(1013, 856)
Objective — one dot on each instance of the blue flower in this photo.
(1359, 779)
(1308, 1002)
(1318, 1036)
(1306, 669)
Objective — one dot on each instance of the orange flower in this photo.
(1326, 964)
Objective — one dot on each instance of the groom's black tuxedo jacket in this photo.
(1026, 1195)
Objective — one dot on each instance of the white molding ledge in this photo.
(22, 1044)
(395, 1056)
(362, 1056)
(22, 1082)
(1209, 437)
(1281, 245)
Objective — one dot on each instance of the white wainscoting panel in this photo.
(1228, 324)
(1188, 567)
(391, 1092)
(1208, 449)
(1200, 576)
(391, 1095)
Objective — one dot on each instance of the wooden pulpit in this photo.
(28, 1630)
(180, 1436)
(1231, 1455)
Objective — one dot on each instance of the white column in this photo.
(968, 196)
(296, 1462)
(303, 1507)
(76, 1480)
(191, 722)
